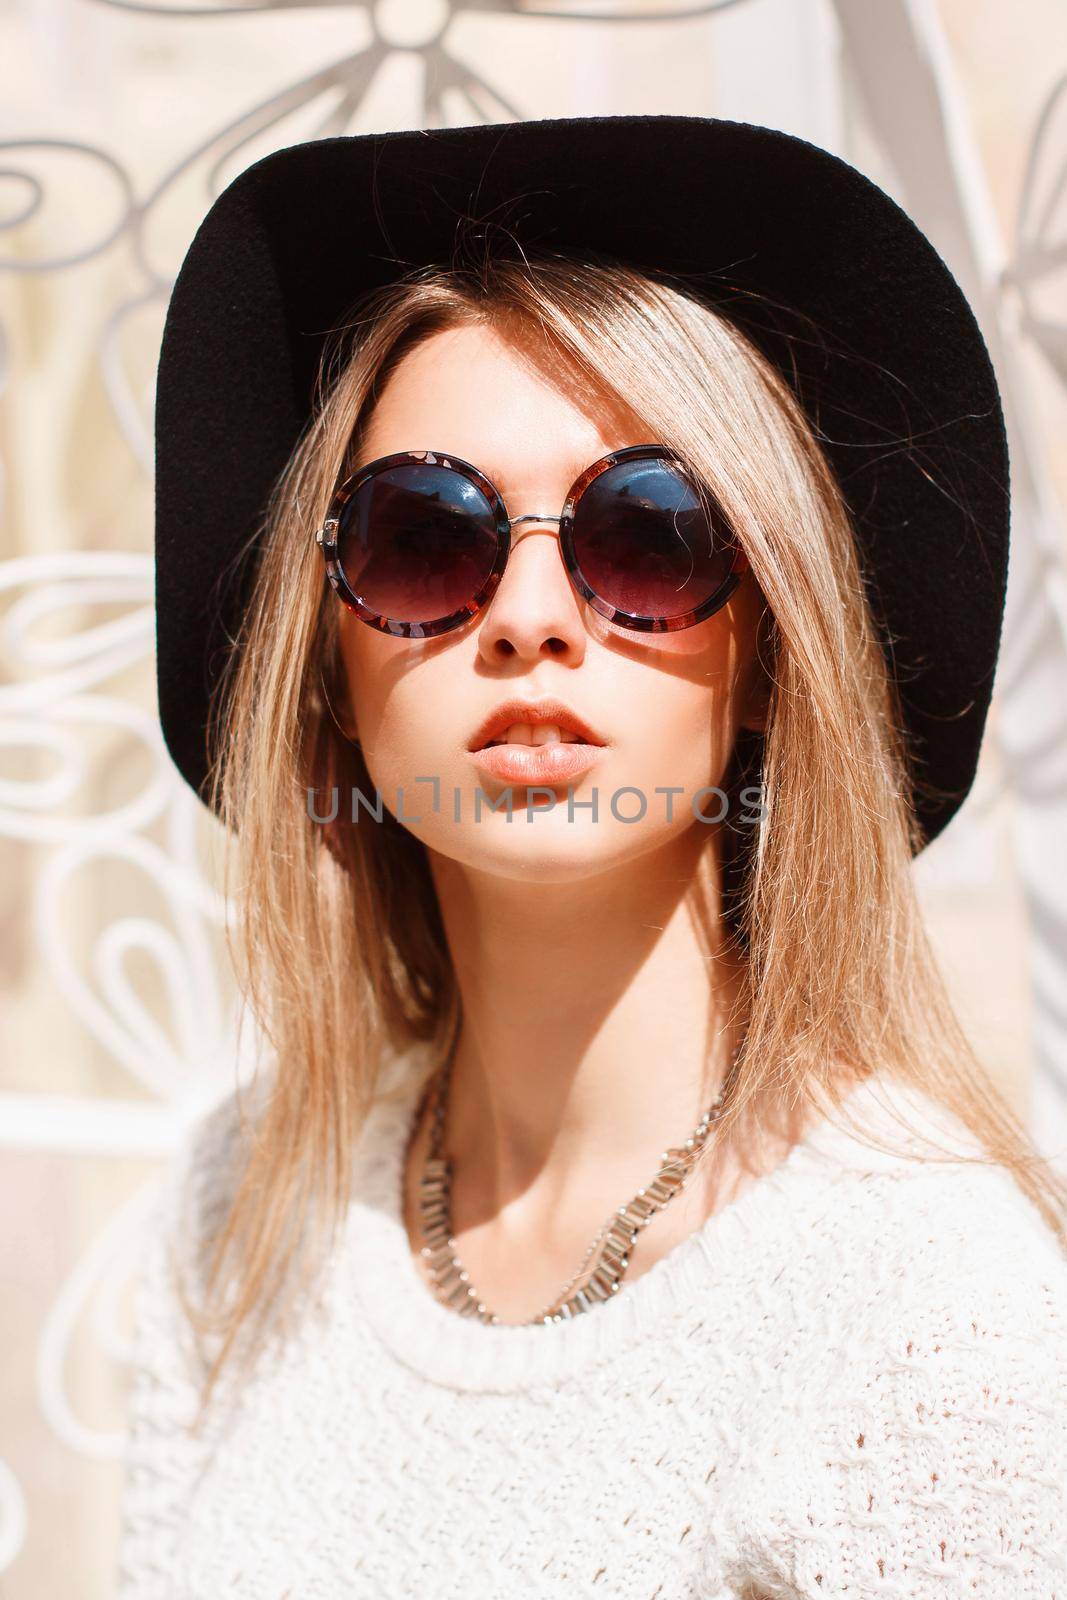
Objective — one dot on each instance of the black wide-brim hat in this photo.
(823, 271)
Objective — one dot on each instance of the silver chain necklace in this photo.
(449, 1277)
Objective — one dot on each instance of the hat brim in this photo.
(822, 269)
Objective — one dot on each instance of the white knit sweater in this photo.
(849, 1382)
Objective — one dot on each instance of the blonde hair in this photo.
(339, 946)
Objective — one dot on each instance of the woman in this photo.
(623, 1211)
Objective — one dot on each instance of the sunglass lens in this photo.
(417, 541)
(649, 542)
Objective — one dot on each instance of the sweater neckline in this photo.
(459, 1352)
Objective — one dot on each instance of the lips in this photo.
(516, 723)
(546, 764)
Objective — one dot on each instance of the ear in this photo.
(756, 722)
(757, 702)
(756, 706)
(346, 719)
(336, 703)
(347, 725)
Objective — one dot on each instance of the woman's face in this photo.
(667, 706)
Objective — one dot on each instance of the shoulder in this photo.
(193, 1192)
(954, 1416)
(932, 1208)
(903, 1258)
(924, 1447)
(220, 1137)
(214, 1143)
(930, 1224)
(958, 1264)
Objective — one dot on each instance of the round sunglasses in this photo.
(416, 542)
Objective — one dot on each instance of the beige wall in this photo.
(1010, 59)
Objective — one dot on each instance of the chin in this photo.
(547, 848)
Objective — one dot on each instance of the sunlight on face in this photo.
(668, 705)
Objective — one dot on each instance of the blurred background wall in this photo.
(119, 122)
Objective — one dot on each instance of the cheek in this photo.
(372, 664)
(684, 706)
(407, 707)
(677, 731)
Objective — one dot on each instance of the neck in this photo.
(599, 1017)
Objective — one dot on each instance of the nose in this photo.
(535, 610)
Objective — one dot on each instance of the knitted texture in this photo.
(850, 1381)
